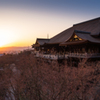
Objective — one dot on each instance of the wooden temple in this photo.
(81, 40)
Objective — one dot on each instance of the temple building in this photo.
(81, 40)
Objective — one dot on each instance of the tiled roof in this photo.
(42, 41)
(63, 36)
(91, 26)
(88, 37)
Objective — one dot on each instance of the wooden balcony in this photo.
(49, 56)
(84, 55)
(65, 56)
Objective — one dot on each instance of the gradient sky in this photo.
(22, 21)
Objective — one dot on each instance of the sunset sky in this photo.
(22, 21)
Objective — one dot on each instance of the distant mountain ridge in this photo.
(12, 49)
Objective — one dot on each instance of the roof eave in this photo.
(74, 43)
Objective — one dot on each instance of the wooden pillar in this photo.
(86, 47)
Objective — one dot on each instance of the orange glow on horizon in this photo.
(18, 44)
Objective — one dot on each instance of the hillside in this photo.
(25, 77)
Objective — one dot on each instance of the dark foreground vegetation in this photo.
(24, 77)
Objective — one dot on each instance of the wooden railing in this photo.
(65, 56)
(50, 56)
(84, 55)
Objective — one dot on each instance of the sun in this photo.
(5, 37)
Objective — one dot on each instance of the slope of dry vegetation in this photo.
(25, 77)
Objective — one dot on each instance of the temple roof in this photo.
(91, 26)
(87, 36)
(63, 36)
(40, 42)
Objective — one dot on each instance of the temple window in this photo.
(75, 38)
